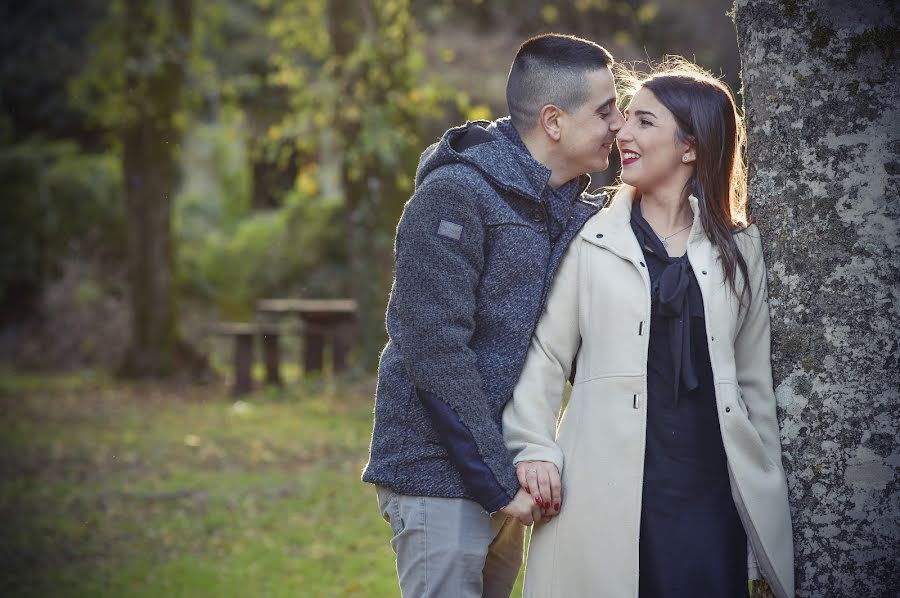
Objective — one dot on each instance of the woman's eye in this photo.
(645, 122)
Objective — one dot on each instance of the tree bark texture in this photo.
(150, 168)
(822, 99)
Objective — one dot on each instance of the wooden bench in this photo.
(326, 322)
(244, 334)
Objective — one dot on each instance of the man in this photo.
(495, 207)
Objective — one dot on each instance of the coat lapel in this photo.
(701, 255)
(610, 229)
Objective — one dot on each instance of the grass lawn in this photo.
(140, 489)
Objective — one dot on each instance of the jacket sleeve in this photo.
(753, 349)
(439, 261)
(529, 419)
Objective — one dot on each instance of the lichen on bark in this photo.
(822, 102)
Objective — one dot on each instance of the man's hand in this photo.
(541, 480)
(523, 508)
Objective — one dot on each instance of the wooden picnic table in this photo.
(326, 322)
(244, 334)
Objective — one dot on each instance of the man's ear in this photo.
(548, 119)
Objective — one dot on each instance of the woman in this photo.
(669, 448)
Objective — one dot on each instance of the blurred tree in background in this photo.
(44, 142)
(242, 149)
(353, 70)
(135, 87)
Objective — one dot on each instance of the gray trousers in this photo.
(451, 548)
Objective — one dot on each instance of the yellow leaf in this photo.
(307, 183)
(404, 183)
(647, 13)
(621, 38)
(550, 14)
(479, 112)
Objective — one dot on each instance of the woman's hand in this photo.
(523, 508)
(541, 480)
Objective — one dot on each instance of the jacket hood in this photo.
(481, 145)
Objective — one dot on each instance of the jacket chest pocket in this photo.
(518, 234)
(516, 211)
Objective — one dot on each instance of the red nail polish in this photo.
(537, 499)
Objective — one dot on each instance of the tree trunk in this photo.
(150, 169)
(821, 96)
(349, 21)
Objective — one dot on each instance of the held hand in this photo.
(541, 479)
(523, 508)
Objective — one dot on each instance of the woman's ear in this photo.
(690, 152)
(548, 119)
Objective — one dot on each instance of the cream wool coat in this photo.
(600, 300)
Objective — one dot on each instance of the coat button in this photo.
(728, 410)
(599, 235)
(642, 265)
(536, 216)
(704, 272)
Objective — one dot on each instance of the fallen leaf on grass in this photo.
(241, 408)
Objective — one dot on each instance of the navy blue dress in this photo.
(692, 541)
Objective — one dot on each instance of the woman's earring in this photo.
(684, 158)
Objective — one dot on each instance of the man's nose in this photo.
(618, 122)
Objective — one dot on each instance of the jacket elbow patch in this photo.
(460, 444)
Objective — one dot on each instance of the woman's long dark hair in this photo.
(709, 121)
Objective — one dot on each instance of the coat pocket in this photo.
(743, 445)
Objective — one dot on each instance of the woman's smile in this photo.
(629, 156)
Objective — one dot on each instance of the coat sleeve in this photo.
(529, 419)
(439, 261)
(752, 350)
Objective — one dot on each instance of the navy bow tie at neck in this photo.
(678, 299)
(675, 304)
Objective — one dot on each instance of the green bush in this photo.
(230, 254)
(55, 199)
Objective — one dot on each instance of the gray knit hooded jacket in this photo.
(476, 249)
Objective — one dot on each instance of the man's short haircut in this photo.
(551, 69)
